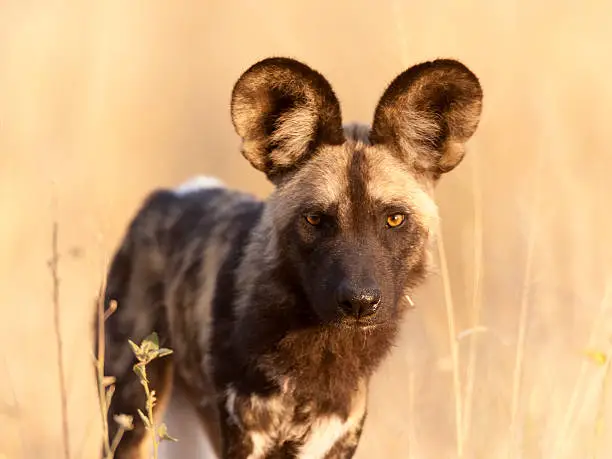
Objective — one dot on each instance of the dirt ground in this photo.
(102, 101)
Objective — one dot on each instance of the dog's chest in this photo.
(310, 438)
(271, 422)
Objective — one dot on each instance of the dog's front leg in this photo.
(236, 443)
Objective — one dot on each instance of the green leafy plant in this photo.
(148, 351)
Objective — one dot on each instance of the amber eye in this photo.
(395, 220)
(313, 219)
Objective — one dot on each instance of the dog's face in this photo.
(352, 208)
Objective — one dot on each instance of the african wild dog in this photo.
(280, 311)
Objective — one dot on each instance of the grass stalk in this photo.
(54, 268)
(517, 374)
(106, 387)
(117, 438)
(601, 408)
(454, 348)
(565, 432)
(476, 302)
(102, 391)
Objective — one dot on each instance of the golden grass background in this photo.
(102, 101)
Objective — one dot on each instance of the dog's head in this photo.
(353, 210)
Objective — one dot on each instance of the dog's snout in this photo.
(358, 301)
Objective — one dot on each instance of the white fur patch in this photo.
(230, 406)
(200, 182)
(319, 438)
(261, 445)
(325, 432)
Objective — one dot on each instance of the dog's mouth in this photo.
(362, 323)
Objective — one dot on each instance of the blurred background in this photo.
(102, 101)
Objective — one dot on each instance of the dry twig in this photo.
(54, 267)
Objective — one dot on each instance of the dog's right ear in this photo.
(283, 111)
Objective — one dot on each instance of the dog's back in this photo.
(179, 247)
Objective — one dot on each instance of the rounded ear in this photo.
(428, 113)
(283, 111)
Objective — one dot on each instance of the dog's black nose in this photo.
(357, 301)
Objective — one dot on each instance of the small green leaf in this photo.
(141, 372)
(145, 419)
(139, 351)
(162, 352)
(147, 349)
(135, 347)
(153, 339)
(162, 433)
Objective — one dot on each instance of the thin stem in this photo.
(476, 301)
(117, 439)
(410, 450)
(150, 394)
(54, 267)
(517, 376)
(100, 374)
(452, 337)
(565, 432)
(111, 309)
(601, 409)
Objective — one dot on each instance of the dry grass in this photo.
(54, 268)
(111, 99)
(145, 352)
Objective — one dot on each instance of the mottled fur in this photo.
(253, 298)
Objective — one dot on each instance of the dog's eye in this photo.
(313, 219)
(395, 220)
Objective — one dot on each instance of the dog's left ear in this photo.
(427, 114)
(283, 110)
